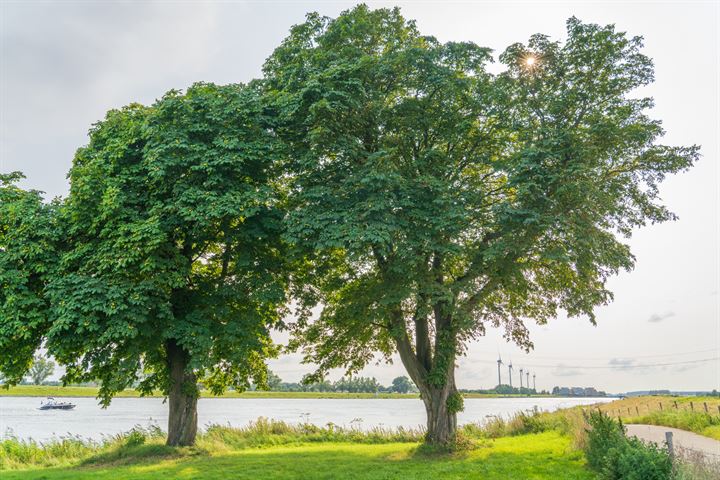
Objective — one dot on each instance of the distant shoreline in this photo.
(91, 392)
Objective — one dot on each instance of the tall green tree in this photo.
(274, 382)
(435, 200)
(401, 384)
(41, 369)
(174, 272)
(29, 240)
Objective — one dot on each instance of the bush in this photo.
(635, 460)
(616, 457)
(603, 436)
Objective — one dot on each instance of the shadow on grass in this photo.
(140, 454)
(333, 461)
(459, 450)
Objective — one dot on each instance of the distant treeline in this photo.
(505, 390)
(345, 384)
(578, 392)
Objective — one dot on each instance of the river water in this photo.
(20, 417)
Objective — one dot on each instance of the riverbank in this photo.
(91, 392)
(536, 445)
(276, 453)
(527, 445)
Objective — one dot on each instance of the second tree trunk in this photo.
(182, 398)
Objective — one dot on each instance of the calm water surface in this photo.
(20, 417)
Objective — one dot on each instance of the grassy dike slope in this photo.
(545, 455)
(700, 415)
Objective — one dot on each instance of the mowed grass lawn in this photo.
(537, 456)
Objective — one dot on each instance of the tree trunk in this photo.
(442, 402)
(182, 398)
(441, 414)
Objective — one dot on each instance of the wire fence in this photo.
(638, 409)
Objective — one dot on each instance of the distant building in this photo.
(578, 392)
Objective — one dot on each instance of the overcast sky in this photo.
(64, 64)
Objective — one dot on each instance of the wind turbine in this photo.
(521, 372)
(535, 389)
(510, 372)
(499, 362)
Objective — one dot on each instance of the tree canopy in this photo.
(436, 199)
(41, 369)
(29, 237)
(401, 385)
(174, 268)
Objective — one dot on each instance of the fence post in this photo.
(718, 409)
(628, 410)
(660, 403)
(675, 402)
(705, 405)
(669, 440)
(692, 407)
(637, 410)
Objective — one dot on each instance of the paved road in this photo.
(681, 438)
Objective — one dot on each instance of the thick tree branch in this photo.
(422, 340)
(412, 364)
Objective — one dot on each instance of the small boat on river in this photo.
(53, 404)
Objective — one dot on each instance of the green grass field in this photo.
(536, 456)
(50, 391)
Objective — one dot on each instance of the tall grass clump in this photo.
(143, 443)
(16, 453)
(523, 423)
(267, 432)
(690, 465)
(62, 451)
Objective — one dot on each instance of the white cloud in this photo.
(563, 370)
(659, 317)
